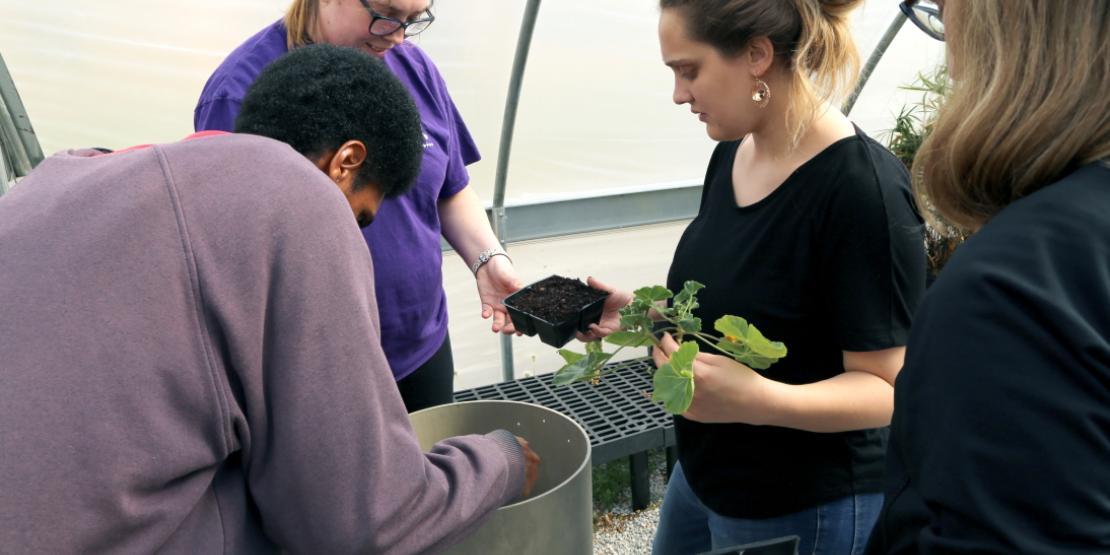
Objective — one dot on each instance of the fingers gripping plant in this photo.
(674, 381)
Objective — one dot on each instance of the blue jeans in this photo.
(686, 526)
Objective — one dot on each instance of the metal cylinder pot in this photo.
(558, 517)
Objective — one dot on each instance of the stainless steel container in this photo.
(558, 517)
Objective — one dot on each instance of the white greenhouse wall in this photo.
(595, 113)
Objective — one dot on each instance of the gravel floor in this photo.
(628, 534)
(622, 532)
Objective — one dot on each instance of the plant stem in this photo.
(703, 337)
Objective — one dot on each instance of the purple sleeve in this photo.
(462, 150)
(329, 452)
(463, 153)
(217, 114)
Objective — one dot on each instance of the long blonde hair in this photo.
(811, 38)
(300, 19)
(1030, 101)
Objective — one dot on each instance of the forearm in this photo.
(333, 463)
(465, 225)
(365, 485)
(854, 400)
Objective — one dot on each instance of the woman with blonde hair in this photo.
(808, 229)
(1000, 441)
(404, 241)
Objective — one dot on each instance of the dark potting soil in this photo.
(556, 298)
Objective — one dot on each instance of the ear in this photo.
(761, 54)
(343, 164)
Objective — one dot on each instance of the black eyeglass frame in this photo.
(911, 10)
(375, 16)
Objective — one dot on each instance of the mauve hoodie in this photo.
(189, 363)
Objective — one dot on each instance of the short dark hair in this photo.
(317, 97)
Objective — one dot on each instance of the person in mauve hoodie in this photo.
(189, 341)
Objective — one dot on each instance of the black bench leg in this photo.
(672, 459)
(641, 483)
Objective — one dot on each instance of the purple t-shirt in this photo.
(404, 239)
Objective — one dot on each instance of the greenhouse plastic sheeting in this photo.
(595, 111)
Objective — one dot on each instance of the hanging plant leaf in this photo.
(652, 294)
(674, 381)
(747, 344)
(629, 339)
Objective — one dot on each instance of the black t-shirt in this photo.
(832, 260)
(1001, 435)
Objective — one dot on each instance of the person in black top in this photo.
(1000, 441)
(808, 229)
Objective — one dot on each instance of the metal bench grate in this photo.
(619, 419)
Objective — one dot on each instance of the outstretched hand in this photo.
(610, 312)
(496, 280)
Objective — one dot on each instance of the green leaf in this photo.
(629, 339)
(573, 372)
(652, 294)
(570, 356)
(757, 362)
(674, 381)
(689, 291)
(732, 326)
(747, 344)
(635, 315)
(596, 361)
(674, 390)
(737, 350)
(689, 325)
(666, 312)
(764, 347)
(683, 358)
(636, 321)
(637, 306)
(686, 300)
(581, 367)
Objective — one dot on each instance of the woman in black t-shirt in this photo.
(808, 229)
(1000, 441)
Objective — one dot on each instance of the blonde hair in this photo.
(811, 38)
(1028, 104)
(300, 20)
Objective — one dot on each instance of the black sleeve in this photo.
(1003, 419)
(870, 254)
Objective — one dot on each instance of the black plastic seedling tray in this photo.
(554, 333)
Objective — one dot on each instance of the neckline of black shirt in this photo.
(794, 175)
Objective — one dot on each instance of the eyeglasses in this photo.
(926, 15)
(381, 25)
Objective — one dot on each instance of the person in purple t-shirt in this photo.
(405, 238)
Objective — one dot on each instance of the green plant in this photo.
(673, 382)
(912, 125)
(610, 484)
(612, 494)
(914, 122)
